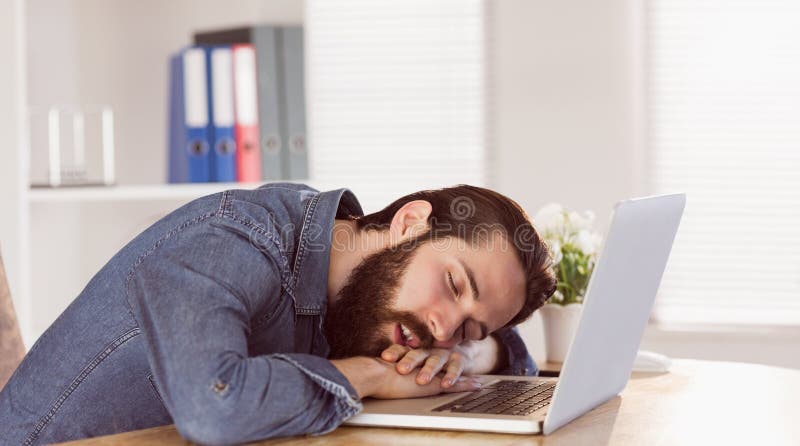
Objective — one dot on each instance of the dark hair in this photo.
(475, 211)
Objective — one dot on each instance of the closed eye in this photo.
(452, 284)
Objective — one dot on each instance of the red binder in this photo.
(248, 155)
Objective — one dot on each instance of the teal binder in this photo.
(294, 103)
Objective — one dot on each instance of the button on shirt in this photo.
(210, 319)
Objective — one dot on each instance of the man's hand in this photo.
(395, 385)
(378, 378)
(467, 358)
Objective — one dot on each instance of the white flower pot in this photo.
(560, 323)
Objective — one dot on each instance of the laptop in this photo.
(616, 309)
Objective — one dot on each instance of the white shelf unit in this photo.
(144, 192)
(89, 52)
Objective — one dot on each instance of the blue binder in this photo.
(189, 141)
(219, 63)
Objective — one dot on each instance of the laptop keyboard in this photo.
(506, 397)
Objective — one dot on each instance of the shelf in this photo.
(131, 193)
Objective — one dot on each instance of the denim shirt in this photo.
(210, 319)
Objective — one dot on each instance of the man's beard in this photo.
(355, 325)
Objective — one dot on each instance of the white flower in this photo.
(586, 242)
(557, 296)
(559, 226)
(555, 251)
(579, 221)
(550, 218)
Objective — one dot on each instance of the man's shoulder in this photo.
(288, 202)
(274, 212)
(288, 210)
(283, 202)
(287, 188)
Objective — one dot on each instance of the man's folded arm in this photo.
(194, 311)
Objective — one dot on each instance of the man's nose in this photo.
(445, 332)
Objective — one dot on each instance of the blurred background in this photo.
(577, 102)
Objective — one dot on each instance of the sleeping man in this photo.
(252, 314)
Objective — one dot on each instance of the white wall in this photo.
(565, 102)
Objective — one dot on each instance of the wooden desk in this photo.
(697, 402)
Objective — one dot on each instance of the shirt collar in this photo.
(314, 247)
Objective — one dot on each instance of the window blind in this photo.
(724, 113)
(396, 95)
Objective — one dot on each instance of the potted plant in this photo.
(574, 245)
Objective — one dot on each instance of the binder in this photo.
(265, 40)
(222, 153)
(248, 153)
(267, 65)
(189, 119)
(294, 103)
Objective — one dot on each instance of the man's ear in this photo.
(410, 221)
